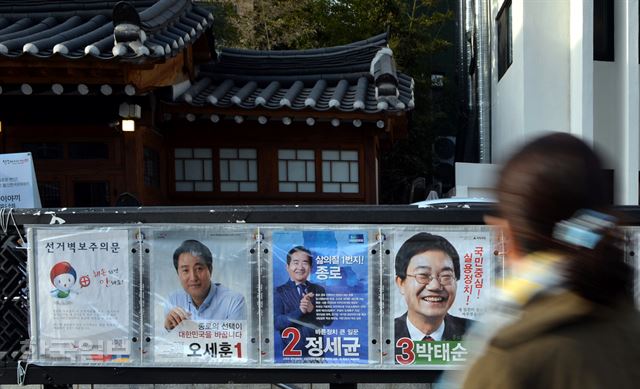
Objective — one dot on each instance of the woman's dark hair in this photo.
(547, 181)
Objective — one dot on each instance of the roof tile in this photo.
(78, 29)
(360, 76)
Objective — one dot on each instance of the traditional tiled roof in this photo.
(101, 29)
(360, 76)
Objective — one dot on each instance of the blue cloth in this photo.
(221, 303)
(286, 312)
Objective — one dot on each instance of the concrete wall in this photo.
(553, 84)
(533, 95)
(546, 67)
(616, 103)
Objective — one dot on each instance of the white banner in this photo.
(18, 185)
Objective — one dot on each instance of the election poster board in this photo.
(439, 280)
(81, 290)
(320, 295)
(18, 184)
(202, 279)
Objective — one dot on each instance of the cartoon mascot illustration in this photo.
(63, 277)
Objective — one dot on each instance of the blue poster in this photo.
(320, 297)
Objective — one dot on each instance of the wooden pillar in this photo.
(133, 162)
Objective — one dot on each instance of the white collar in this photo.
(416, 334)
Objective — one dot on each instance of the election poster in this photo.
(18, 184)
(439, 280)
(320, 288)
(201, 282)
(81, 294)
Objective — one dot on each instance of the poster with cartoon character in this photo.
(82, 294)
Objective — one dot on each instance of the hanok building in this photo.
(131, 97)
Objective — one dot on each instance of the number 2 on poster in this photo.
(294, 334)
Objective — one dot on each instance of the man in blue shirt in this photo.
(200, 299)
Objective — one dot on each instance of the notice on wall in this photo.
(18, 185)
(321, 296)
(83, 293)
(440, 282)
(201, 289)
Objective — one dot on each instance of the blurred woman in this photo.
(565, 317)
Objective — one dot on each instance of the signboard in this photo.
(81, 293)
(439, 280)
(320, 296)
(201, 288)
(18, 185)
(236, 295)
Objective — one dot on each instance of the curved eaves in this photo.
(84, 28)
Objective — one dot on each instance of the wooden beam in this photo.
(172, 71)
(182, 108)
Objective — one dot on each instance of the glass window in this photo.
(505, 43)
(88, 150)
(296, 170)
(238, 170)
(44, 150)
(340, 171)
(193, 170)
(50, 194)
(91, 194)
(151, 168)
(603, 31)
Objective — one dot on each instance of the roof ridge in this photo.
(379, 40)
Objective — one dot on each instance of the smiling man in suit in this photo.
(427, 269)
(297, 302)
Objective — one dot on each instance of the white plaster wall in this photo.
(507, 97)
(627, 191)
(607, 113)
(616, 103)
(553, 84)
(581, 69)
(546, 67)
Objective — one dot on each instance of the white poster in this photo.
(83, 294)
(201, 283)
(18, 185)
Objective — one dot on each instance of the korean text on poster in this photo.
(320, 297)
(440, 287)
(201, 294)
(83, 295)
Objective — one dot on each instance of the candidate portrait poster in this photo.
(201, 280)
(320, 296)
(81, 282)
(439, 280)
